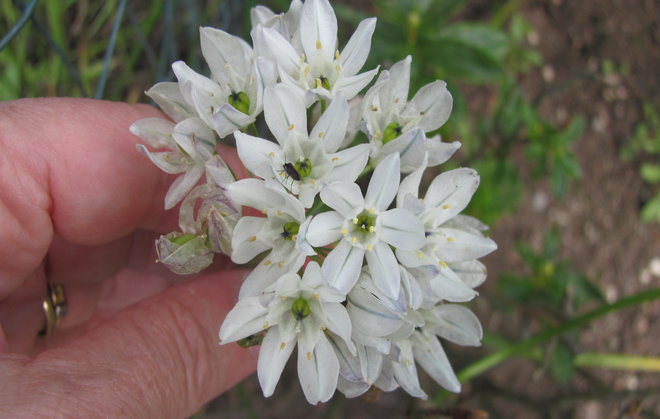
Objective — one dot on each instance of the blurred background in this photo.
(557, 105)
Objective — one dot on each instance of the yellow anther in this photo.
(321, 134)
(252, 238)
(318, 44)
(309, 356)
(319, 83)
(370, 247)
(306, 71)
(371, 211)
(374, 108)
(353, 240)
(264, 211)
(315, 296)
(271, 154)
(355, 220)
(279, 213)
(450, 239)
(280, 264)
(338, 68)
(396, 100)
(344, 232)
(282, 345)
(334, 159)
(372, 229)
(265, 326)
(302, 58)
(267, 262)
(420, 254)
(291, 127)
(443, 264)
(446, 206)
(337, 56)
(294, 237)
(157, 260)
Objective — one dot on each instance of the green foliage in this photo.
(645, 145)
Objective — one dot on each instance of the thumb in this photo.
(158, 358)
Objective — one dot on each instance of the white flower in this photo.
(278, 231)
(184, 253)
(366, 228)
(188, 145)
(396, 125)
(286, 24)
(302, 163)
(449, 238)
(233, 98)
(316, 66)
(294, 310)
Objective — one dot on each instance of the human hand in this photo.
(80, 207)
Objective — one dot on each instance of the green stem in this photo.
(324, 105)
(492, 360)
(618, 361)
(252, 130)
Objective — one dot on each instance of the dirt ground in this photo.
(598, 220)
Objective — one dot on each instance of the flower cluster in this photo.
(364, 281)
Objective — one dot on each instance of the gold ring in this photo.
(55, 308)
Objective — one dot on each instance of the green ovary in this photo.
(240, 101)
(392, 131)
(290, 230)
(303, 167)
(300, 308)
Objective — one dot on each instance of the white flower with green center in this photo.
(365, 228)
(395, 124)
(180, 148)
(233, 97)
(277, 231)
(449, 241)
(316, 66)
(294, 311)
(303, 163)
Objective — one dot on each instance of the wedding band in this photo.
(54, 306)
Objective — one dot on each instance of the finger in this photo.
(158, 358)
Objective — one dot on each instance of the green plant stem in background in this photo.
(27, 12)
(490, 361)
(618, 361)
(100, 88)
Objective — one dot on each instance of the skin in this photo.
(79, 206)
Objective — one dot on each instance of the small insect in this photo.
(290, 170)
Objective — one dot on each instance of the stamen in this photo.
(252, 238)
(267, 262)
(318, 44)
(282, 345)
(291, 127)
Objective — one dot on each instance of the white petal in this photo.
(318, 28)
(349, 163)
(258, 194)
(351, 389)
(371, 362)
(351, 86)
(384, 269)
(405, 371)
(228, 119)
(244, 243)
(457, 324)
(182, 185)
(410, 185)
(285, 112)
(168, 96)
(440, 152)
(472, 272)
(341, 268)
(331, 127)
(245, 319)
(452, 245)
(338, 322)
(432, 358)
(190, 79)
(324, 229)
(256, 154)
(349, 364)
(279, 49)
(318, 370)
(402, 229)
(167, 161)
(395, 91)
(357, 48)
(343, 197)
(269, 270)
(260, 14)
(450, 192)
(434, 103)
(412, 148)
(272, 357)
(157, 132)
(383, 184)
(370, 316)
(220, 50)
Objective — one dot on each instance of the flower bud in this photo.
(183, 253)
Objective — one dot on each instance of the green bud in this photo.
(240, 101)
(392, 131)
(303, 167)
(181, 240)
(252, 340)
(290, 230)
(300, 309)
